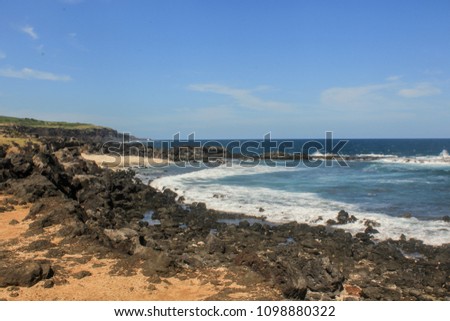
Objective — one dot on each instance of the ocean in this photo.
(401, 184)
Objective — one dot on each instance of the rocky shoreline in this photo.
(81, 211)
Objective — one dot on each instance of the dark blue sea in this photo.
(402, 184)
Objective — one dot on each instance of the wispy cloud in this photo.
(29, 30)
(420, 90)
(390, 93)
(28, 73)
(352, 95)
(244, 97)
(2, 55)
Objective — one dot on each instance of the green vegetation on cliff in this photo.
(30, 122)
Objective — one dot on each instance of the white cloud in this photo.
(28, 73)
(390, 94)
(2, 55)
(351, 95)
(29, 30)
(420, 90)
(244, 97)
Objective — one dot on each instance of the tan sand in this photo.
(8, 231)
(105, 284)
(101, 286)
(124, 161)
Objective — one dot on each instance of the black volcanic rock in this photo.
(344, 218)
(81, 274)
(32, 188)
(25, 274)
(103, 211)
(215, 245)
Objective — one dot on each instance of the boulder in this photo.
(7, 208)
(22, 165)
(81, 274)
(296, 288)
(26, 274)
(32, 188)
(344, 218)
(48, 284)
(214, 244)
(72, 227)
(322, 276)
(371, 223)
(120, 235)
(159, 263)
(371, 230)
(126, 240)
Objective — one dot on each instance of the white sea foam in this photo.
(443, 159)
(373, 155)
(283, 206)
(318, 154)
(419, 160)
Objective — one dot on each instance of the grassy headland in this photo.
(30, 122)
(24, 130)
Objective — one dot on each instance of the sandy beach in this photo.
(124, 162)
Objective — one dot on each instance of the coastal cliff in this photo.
(35, 129)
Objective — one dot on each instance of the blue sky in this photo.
(230, 69)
